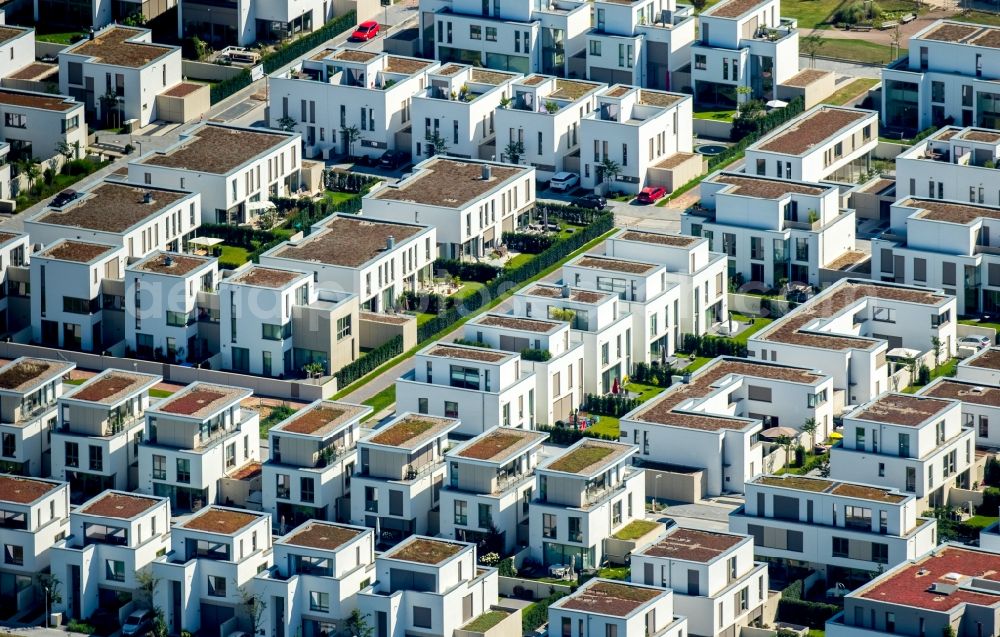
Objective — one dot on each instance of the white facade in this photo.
(483, 388)
(637, 129)
(346, 88)
(772, 230)
(469, 203)
(982, 368)
(17, 48)
(712, 421)
(375, 259)
(828, 523)
(5, 188)
(113, 538)
(980, 406)
(607, 607)
(123, 61)
(36, 124)
(717, 584)
(582, 497)
(14, 250)
(701, 274)
(29, 392)
(236, 170)
(246, 22)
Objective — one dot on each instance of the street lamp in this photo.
(656, 484)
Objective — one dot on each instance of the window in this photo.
(282, 485)
(8, 446)
(549, 526)
(271, 332)
(461, 512)
(485, 516)
(319, 601)
(450, 409)
(920, 270)
(475, 32)
(880, 553)
(491, 34)
(15, 120)
(184, 470)
(422, 406)
(841, 547)
(700, 62)
(96, 459)
(307, 489)
(114, 570)
(421, 617)
(595, 47)
(216, 586)
(605, 357)
(575, 534)
(984, 427)
(73, 456)
(159, 467)
(343, 327)
(464, 377)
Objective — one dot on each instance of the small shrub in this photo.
(77, 626)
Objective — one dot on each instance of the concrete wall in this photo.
(373, 333)
(508, 627)
(184, 109)
(541, 590)
(676, 487)
(405, 42)
(206, 71)
(750, 304)
(714, 129)
(811, 94)
(674, 178)
(888, 150)
(48, 48)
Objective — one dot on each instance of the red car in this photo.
(649, 194)
(366, 31)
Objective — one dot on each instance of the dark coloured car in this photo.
(64, 198)
(393, 159)
(592, 201)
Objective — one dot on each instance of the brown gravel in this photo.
(809, 130)
(217, 149)
(658, 98)
(23, 372)
(248, 471)
(765, 188)
(979, 135)
(805, 78)
(469, 353)
(573, 89)
(405, 66)
(425, 551)
(988, 38)
(180, 264)
(902, 409)
(200, 399)
(733, 8)
(951, 32)
(112, 207)
(388, 319)
(988, 359)
(183, 89)
(320, 535)
(111, 47)
(675, 160)
(494, 78)
(693, 545)
(865, 492)
(935, 210)
(502, 442)
(121, 506)
(618, 91)
(114, 385)
(265, 277)
(614, 599)
(846, 260)
(674, 240)
(575, 294)
(411, 430)
(879, 185)
(354, 55)
(35, 71)
(615, 265)
(533, 80)
(349, 241)
(518, 323)
(23, 490)
(10, 32)
(449, 70)
(964, 391)
(448, 182)
(799, 483)
(218, 520)
(324, 417)
(37, 100)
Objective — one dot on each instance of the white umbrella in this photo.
(777, 432)
(776, 104)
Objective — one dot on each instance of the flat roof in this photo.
(500, 445)
(18, 490)
(660, 99)
(469, 353)
(518, 323)
(965, 391)
(109, 387)
(9, 32)
(111, 207)
(962, 33)
(810, 129)
(659, 238)
(805, 77)
(113, 46)
(951, 212)
(831, 487)
(598, 262)
(987, 135)
(610, 598)
(219, 520)
(171, 263)
(734, 8)
(573, 89)
(765, 187)
(405, 65)
(575, 294)
(448, 182)
(675, 160)
(913, 584)
(663, 408)
(201, 399)
(217, 149)
(76, 251)
(353, 55)
(260, 276)
(7, 237)
(34, 71)
(489, 76)
(321, 418)
(989, 358)
(322, 535)
(790, 328)
(348, 241)
(44, 101)
(693, 545)
(411, 431)
(901, 409)
(424, 550)
(121, 506)
(182, 89)
(589, 457)
(23, 374)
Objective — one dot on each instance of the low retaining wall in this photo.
(755, 305)
(509, 626)
(712, 128)
(540, 590)
(208, 71)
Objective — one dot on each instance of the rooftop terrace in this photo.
(912, 584)
(111, 207)
(217, 149)
(348, 241)
(449, 183)
(901, 409)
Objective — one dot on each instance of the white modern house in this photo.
(68, 281)
(548, 349)
(113, 538)
(141, 219)
(17, 48)
(163, 314)
(543, 121)
(313, 456)
(609, 607)
(956, 164)
(644, 131)
(845, 530)
(96, 444)
(318, 569)
(193, 440)
(15, 247)
(469, 203)
(582, 497)
(743, 44)
(275, 322)
(6, 191)
(247, 22)
(980, 406)
(481, 387)
(29, 393)
(454, 114)
(37, 124)
(772, 230)
(642, 44)
(982, 368)
(717, 585)
(342, 88)
(236, 170)
(204, 577)
(428, 585)
(645, 293)
(711, 423)
(399, 474)
(689, 262)
(489, 486)
(123, 62)
(375, 259)
(35, 514)
(825, 143)
(846, 331)
(596, 318)
(915, 444)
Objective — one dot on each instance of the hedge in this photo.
(242, 236)
(795, 610)
(570, 214)
(535, 615)
(514, 276)
(527, 242)
(467, 271)
(659, 375)
(538, 355)
(563, 435)
(369, 362)
(285, 55)
(710, 346)
(760, 127)
(612, 405)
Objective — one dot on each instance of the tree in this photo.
(314, 369)
(351, 135)
(936, 344)
(51, 586)
(255, 606)
(699, 5)
(609, 169)
(786, 442)
(809, 427)
(742, 93)
(438, 145)
(65, 149)
(286, 123)
(33, 171)
(513, 151)
(811, 44)
(358, 626)
(109, 107)
(896, 38)
(267, 219)
(159, 628)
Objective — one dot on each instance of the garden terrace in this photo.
(321, 419)
(656, 238)
(42, 101)
(112, 207)
(519, 323)
(764, 187)
(912, 584)
(262, 277)
(614, 599)
(411, 431)
(24, 374)
(500, 445)
(202, 399)
(693, 545)
(832, 487)
(320, 535)
(114, 47)
(988, 359)
(901, 409)
(76, 251)
(422, 550)
(962, 213)
(171, 263)
(615, 265)
(590, 457)
(348, 241)
(964, 391)
(469, 353)
(121, 506)
(24, 490)
(805, 132)
(109, 388)
(219, 520)
(217, 149)
(449, 183)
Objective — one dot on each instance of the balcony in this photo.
(784, 29)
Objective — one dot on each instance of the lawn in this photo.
(636, 529)
(614, 572)
(381, 400)
(852, 91)
(810, 13)
(645, 391)
(277, 414)
(724, 115)
(857, 51)
(75, 381)
(59, 183)
(423, 317)
(59, 38)
(979, 17)
(698, 363)
(485, 621)
(608, 426)
(946, 368)
(981, 521)
(159, 393)
(468, 289)
(759, 324)
(336, 198)
(519, 261)
(234, 255)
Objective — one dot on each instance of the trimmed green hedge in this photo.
(568, 435)
(535, 615)
(369, 362)
(795, 610)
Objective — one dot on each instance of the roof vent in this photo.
(90, 34)
(943, 589)
(390, 242)
(168, 260)
(487, 172)
(978, 389)
(147, 197)
(565, 291)
(952, 576)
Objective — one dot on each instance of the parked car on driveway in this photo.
(564, 182)
(138, 624)
(592, 201)
(977, 341)
(367, 30)
(393, 159)
(651, 194)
